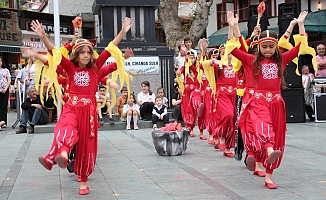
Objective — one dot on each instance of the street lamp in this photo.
(319, 5)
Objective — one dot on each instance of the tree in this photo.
(4, 4)
(172, 26)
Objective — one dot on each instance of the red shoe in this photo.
(211, 142)
(192, 135)
(273, 156)
(202, 137)
(84, 191)
(46, 164)
(229, 154)
(251, 162)
(222, 147)
(271, 185)
(79, 179)
(62, 161)
(259, 173)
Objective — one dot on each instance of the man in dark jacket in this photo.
(33, 111)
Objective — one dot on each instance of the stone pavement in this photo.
(129, 168)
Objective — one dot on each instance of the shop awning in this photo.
(220, 36)
(10, 48)
(316, 21)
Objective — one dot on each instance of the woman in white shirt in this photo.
(146, 100)
(30, 72)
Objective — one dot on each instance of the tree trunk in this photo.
(200, 22)
(171, 24)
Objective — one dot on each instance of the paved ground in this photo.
(129, 168)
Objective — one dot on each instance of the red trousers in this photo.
(191, 99)
(77, 125)
(204, 120)
(263, 124)
(226, 117)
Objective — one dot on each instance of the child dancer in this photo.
(225, 131)
(160, 112)
(131, 109)
(78, 121)
(262, 117)
(191, 97)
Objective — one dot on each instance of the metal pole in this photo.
(57, 42)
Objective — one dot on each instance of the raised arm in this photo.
(126, 25)
(37, 27)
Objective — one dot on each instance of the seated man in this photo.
(32, 111)
(100, 98)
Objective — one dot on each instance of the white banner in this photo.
(140, 65)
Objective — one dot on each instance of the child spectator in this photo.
(146, 99)
(131, 109)
(122, 100)
(102, 99)
(161, 93)
(160, 112)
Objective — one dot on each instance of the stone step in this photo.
(118, 124)
(48, 128)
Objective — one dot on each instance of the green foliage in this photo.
(4, 4)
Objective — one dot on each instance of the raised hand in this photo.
(128, 53)
(230, 18)
(29, 51)
(114, 85)
(302, 17)
(205, 43)
(126, 25)
(74, 39)
(37, 27)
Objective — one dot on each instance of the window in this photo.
(243, 10)
(159, 34)
(219, 13)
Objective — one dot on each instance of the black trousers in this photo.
(4, 106)
(146, 108)
(165, 119)
(177, 112)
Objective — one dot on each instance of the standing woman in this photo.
(146, 99)
(30, 72)
(4, 92)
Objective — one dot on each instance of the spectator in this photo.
(321, 61)
(131, 109)
(5, 80)
(103, 100)
(21, 77)
(307, 79)
(176, 103)
(161, 93)
(180, 60)
(49, 103)
(160, 112)
(30, 72)
(122, 100)
(33, 111)
(146, 100)
(188, 43)
(1, 124)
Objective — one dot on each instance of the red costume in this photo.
(191, 98)
(262, 118)
(78, 121)
(226, 106)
